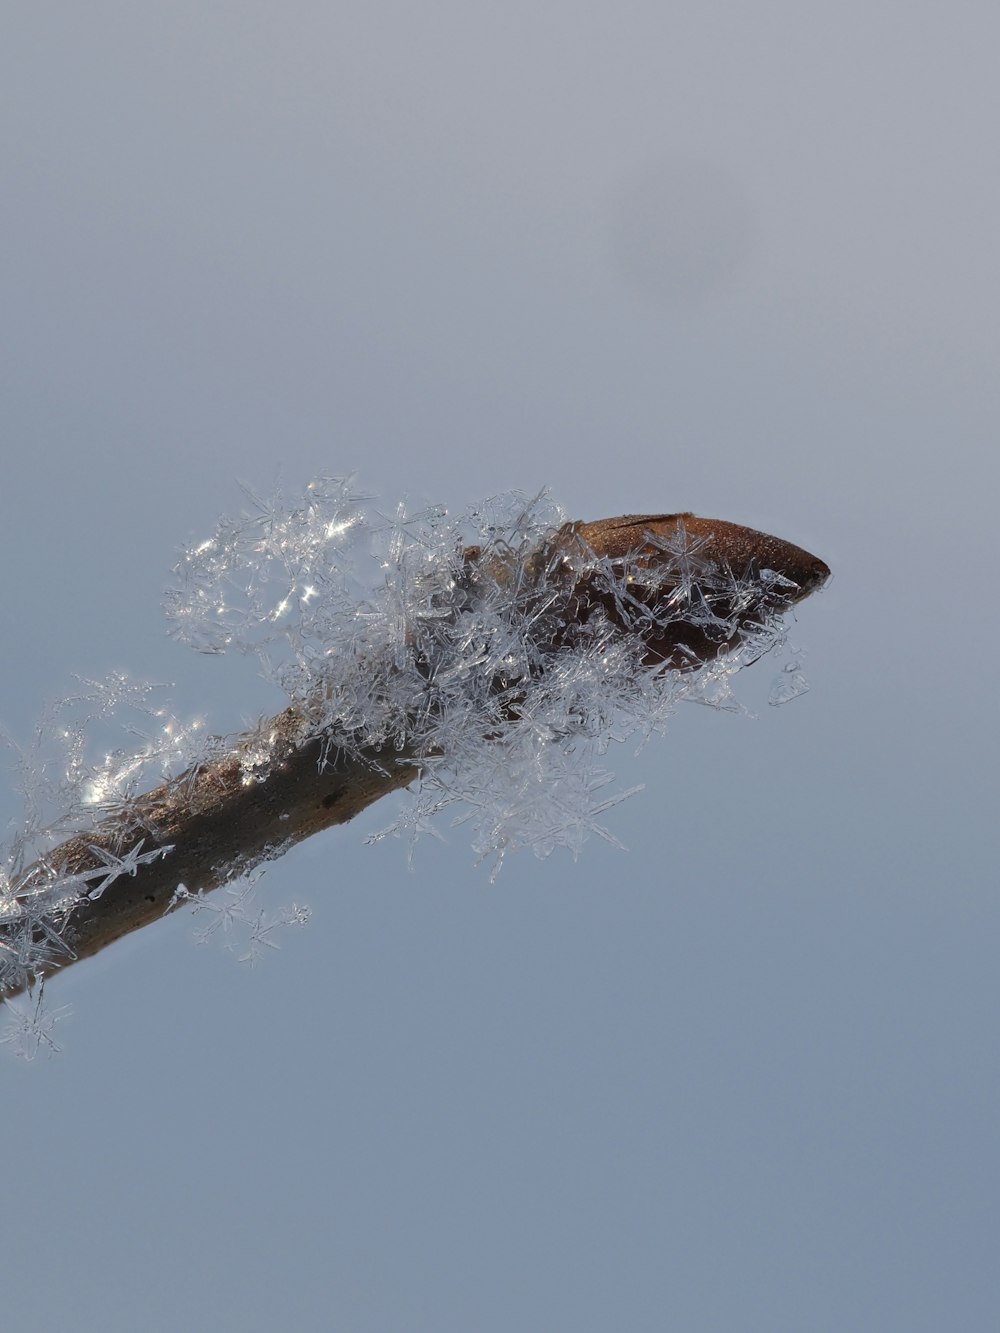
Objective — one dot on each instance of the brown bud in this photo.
(695, 586)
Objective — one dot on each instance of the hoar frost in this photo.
(387, 632)
(457, 645)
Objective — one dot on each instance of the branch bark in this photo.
(215, 822)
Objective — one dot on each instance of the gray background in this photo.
(739, 258)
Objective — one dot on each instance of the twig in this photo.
(283, 783)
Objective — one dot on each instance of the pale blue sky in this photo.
(734, 258)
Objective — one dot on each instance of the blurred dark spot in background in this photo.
(681, 231)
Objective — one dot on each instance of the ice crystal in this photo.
(31, 1024)
(113, 866)
(790, 682)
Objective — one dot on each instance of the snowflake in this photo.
(31, 1024)
(112, 867)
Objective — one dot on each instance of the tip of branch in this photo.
(744, 551)
(704, 583)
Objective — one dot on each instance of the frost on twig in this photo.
(494, 657)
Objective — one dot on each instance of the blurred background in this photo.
(739, 259)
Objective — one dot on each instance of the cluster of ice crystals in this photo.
(89, 756)
(449, 641)
(94, 751)
(234, 917)
(267, 572)
(391, 635)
